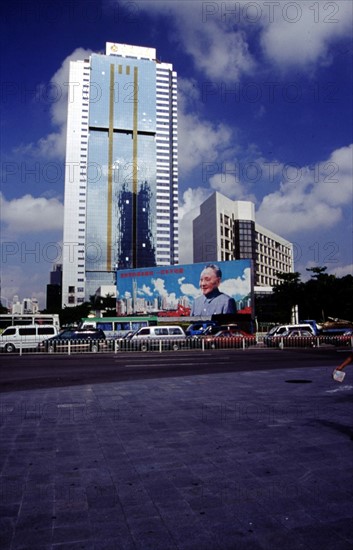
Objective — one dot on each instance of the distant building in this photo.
(227, 230)
(54, 289)
(121, 179)
(56, 275)
(28, 305)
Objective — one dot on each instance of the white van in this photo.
(25, 336)
(280, 330)
(160, 336)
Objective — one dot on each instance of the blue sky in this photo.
(265, 114)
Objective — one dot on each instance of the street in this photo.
(34, 371)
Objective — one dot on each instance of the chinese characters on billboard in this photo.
(196, 290)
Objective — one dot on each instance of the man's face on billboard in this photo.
(209, 280)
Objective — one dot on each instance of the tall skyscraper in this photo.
(121, 177)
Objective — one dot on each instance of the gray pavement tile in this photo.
(150, 532)
(321, 537)
(235, 461)
(31, 538)
(72, 534)
(81, 545)
(7, 529)
(343, 527)
(116, 543)
(111, 530)
(34, 522)
(63, 518)
(334, 511)
(192, 535)
(270, 539)
(296, 519)
(70, 504)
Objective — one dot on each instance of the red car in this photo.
(228, 338)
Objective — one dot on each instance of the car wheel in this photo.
(144, 347)
(10, 348)
(94, 348)
(51, 349)
(175, 347)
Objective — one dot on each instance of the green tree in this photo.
(288, 293)
(320, 297)
(327, 295)
(105, 304)
(73, 315)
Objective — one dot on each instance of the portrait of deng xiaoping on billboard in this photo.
(197, 290)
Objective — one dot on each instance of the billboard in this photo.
(196, 290)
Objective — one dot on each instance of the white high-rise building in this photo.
(121, 177)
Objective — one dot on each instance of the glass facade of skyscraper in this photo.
(122, 212)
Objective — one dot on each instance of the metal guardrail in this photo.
(308, 341)
(71, 347)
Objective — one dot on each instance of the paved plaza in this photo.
(240, 461)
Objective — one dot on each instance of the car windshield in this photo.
(65, 334)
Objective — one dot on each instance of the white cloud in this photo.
(218, 53)
(341, 271)
(28, 214)
(211, 40)
(53, 145)
(299, 34)
(219, 36)
(239, 286)
(145, 291)
(312, 199)
(188, 289)
(332, 269)
(159, 288)
(200, 141)
(229, 185)
(21, 281)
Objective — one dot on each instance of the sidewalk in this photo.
(238, 461)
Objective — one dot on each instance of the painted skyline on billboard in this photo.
(197, 290)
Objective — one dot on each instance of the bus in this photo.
(118, 327)
(11, 319)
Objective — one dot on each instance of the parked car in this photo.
(91, 340)
(152, 338)
(229, 339)
(25, 336)
(293, 338)
(343, 338)
(281, 330)
(213, 329)
(195, 329)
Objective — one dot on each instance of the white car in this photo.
(25, 336)
(167, 337)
